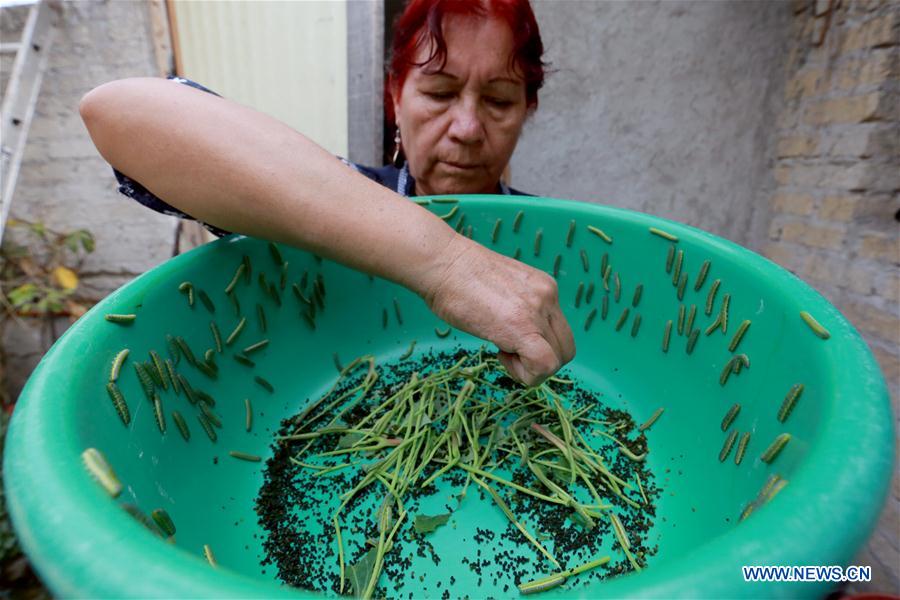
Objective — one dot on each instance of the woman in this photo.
(463, 78)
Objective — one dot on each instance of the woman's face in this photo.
(459, 125)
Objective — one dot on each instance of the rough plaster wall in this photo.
(63, 180)
(662, 107)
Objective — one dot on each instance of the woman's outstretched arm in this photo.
(243, 171)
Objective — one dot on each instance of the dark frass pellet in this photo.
(571, 234)
(537, 241)
(578, 294)
(584, 261)
(556, 263)
(517, 222)
(622, 318)
(590, 294)
(590, 319)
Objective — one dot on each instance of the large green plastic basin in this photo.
(838, 462)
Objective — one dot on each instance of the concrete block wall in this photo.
(63, 180)
(835, 210)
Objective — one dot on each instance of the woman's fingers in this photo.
(507, 302)
(533, 362)
(565, 340)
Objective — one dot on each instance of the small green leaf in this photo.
(348, 439)
(87, 241)
(22, 294)
(39, 229)
(361, 571)
(427, 524)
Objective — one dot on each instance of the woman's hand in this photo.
(505, 301)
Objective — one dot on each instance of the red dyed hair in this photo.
(422, 21)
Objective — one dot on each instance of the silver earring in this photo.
(396, 148)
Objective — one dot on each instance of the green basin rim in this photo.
(83, 545)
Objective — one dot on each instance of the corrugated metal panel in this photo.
(287, 59)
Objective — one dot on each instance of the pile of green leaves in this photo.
(459, 418)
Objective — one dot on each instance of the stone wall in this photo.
(835, 209)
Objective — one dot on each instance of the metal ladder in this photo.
(21, 94)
